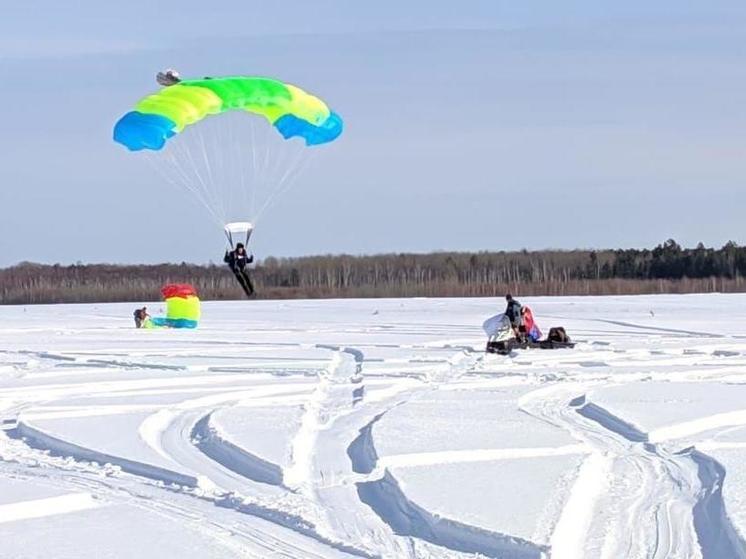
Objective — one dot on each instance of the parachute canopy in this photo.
(292, 111)
(182, 307)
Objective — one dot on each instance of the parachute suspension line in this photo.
(180, 181)
(210, 193)
(212, 161)
(197, 187)
(224, 165)
(210, 176)
(185, 153)
(263, 171)
(300, 162)
(200, 161)
(241, 157)
(253, 167)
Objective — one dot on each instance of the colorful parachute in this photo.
(210, 136)
(291, 110)
(182, 307)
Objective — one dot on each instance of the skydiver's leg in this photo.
(249, 283)
(242, 282)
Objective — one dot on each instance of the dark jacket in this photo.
(513, 312)
(238, 261)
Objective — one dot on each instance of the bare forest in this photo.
(668, 268)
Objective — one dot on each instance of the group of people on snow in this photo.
(521, 320)
(525, 328)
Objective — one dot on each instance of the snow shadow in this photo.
(232, 457)
(408, 519)
(57, 447)
(715, 532)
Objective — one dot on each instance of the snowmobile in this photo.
(501, 338)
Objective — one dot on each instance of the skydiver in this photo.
(237, 261)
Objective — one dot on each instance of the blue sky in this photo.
(469, 126)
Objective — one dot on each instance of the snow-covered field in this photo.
(375, 428)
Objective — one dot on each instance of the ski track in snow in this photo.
(633, 498)
(382, 493)
(637, 493)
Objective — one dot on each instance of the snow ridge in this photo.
(641, 500)
(337, 390)
(207, 439)
(406, 518)
(717, 535)
(179, 483)
(57, 447)
(362, 450)
(383, 494)
(609, 421)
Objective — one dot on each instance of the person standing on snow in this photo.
(513, 312)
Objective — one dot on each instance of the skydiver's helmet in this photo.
(168, 77)
(240, 247)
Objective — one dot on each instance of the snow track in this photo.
(642, 500)
(200, 487)
(233, 457)
(405, 518)
(378, 429)
(57, 447)
(246, 535)
(408, 519)
(383, 494)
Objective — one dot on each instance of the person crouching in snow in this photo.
(141, 315)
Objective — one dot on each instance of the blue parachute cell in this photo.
(140, 131)
(291, 126)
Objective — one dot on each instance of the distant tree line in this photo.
(668, 268)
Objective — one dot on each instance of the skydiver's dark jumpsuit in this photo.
(513, 312)
(237, 262)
